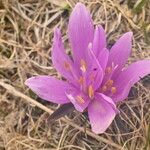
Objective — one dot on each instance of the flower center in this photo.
(104, 88)
(108, 70)
(109, 86)
(81, 80)
(109, 83)
(92, 77)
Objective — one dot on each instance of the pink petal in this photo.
(120, 52)
(129, 77)
(80, 31)
(110, 101)
(59, 58)
(99, 42)
(101, 113)
(49, 88)
(94, 75)
(103, 58)
(79, 105)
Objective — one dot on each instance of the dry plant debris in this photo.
(26, 32)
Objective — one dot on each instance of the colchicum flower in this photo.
(96, 78)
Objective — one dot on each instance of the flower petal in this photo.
(60, 59)
(120, 52)
(99, 42)
(101, 113)
(49, 88)
(94, 74)
(78, 99)
(80, 31)
(129, 77)
(103, 58)
(109, 100)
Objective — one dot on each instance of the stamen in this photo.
(67, 65)
(90, 91)
(109, 83)
(81, 80)
(108, 70)
(113, 90)
(83, 65)
(104, 88)
(80, 99)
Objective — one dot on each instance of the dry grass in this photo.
(26, 31)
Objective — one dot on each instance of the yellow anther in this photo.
(81, 80)
(67, 65)
(104, 88)
(108, 70)
(90, 91)
(80, 99)
(83, 65)
(109, 83)
(113, 90)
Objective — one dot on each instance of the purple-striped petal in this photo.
(120, 52)
(80, 31)
(49, 88)
(99, 42)
(60, 59)
(101, 113)
(129, 77)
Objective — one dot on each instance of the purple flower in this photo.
(96, 78)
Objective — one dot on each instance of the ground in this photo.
(26, 32)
